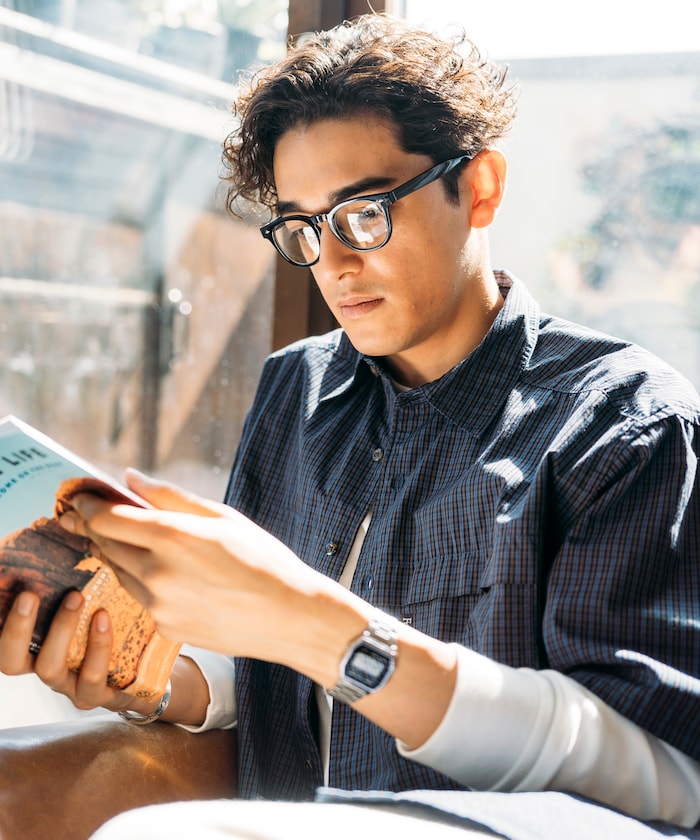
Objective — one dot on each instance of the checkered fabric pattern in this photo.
(539, 503)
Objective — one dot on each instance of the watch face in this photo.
(367, 666)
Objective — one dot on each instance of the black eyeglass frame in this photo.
(383, 200)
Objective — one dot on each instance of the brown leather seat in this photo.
(63, 780)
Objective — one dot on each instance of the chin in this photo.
(370, 346)
(379, 340)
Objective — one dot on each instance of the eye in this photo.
(298, 238)
(294, 229)
(297, 232)
(369, 213)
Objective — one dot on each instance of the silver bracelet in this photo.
(142, 720)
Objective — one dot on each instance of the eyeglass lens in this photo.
(363, 225)
(298, 241)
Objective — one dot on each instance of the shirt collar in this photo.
(347, 367)
(474, 391)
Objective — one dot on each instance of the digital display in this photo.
(367, 666)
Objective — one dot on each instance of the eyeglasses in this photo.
(362, 223)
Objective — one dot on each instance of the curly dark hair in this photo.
(442, 95)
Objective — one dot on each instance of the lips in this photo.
(356, 307)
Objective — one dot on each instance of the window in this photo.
(602, 213)
(134, 314)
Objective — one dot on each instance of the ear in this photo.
(485, 181)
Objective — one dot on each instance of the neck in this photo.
(433, 358)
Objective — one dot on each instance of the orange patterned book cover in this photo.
(38, 478)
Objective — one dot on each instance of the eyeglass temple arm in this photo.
(425, 178)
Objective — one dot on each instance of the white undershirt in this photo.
(323, 700)
(517, 729)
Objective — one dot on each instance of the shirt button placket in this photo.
(368, 579)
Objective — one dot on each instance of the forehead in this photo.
(313, 162)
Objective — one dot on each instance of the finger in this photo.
(116, 528)
(16, 635)
(91, 687)
(167, 496)
(122, 557)
(89, 509)
(73, 522)
(94, 517)
(51, 660)
(117, 536)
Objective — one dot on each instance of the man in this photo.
(460, 547)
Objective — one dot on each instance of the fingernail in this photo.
(133, 471)
(24, 604)
(136, 476)
(73, 600)
(102, 622)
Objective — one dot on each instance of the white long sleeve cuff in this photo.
(520, 729)
(218, 671)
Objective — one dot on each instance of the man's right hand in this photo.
(87, 689)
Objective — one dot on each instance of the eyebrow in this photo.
(366, 186)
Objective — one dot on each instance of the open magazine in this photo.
(38, 479)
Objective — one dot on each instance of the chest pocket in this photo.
(473, 576)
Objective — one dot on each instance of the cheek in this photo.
(324, 287)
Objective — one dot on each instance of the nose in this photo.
(335, 258)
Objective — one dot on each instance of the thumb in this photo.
(167, 496)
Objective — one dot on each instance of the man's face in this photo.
(414, 300)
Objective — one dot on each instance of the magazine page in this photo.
(38, 479)
(32, 466)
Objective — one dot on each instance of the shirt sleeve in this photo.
(218, 671)
(516, 729)
(620, 597)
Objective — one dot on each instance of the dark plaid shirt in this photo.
(539, 503)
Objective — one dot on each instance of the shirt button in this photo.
(397, 482)
(378, 454)
(331, 549)
(369, 582)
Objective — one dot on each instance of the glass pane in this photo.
(602, 214)
(134, 313)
